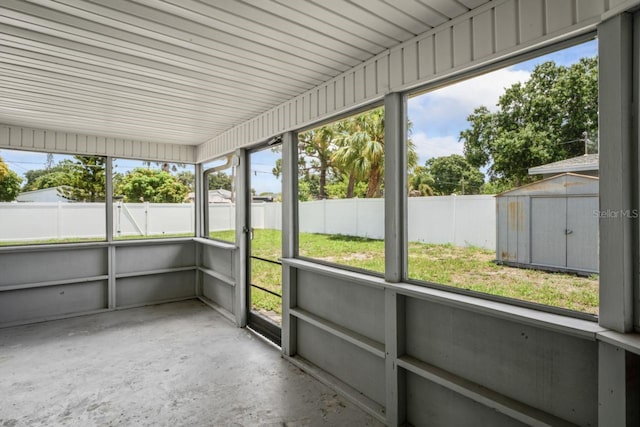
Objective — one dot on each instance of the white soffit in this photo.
(184, 71)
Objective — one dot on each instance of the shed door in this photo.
(582, 233)
(548, 225)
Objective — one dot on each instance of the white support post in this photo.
(395, 200)
(289, 240)
(111, 250)
(617, 251)
(395, 232)
(199, 203)
(242, 254)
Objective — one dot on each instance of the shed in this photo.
(550, 224)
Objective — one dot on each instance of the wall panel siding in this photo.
(480, 37)
(462, 43)
(540, 368)
(357, 308)
(559, 14)
(132, 259)
(155, 288)
(431, 404)
(531, 20)
(426, 64)
(218, 292)
(21, 268)
(26, 305)
(507, 26)
(217, 259)
(337, 357)
(22, 138)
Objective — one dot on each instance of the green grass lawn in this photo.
(462, 267)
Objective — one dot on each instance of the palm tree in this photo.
(316, 146)
(360, 153)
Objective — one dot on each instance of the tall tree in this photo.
(219, 180)
(9, 183)
(316, 148)
(454, 174)
(187, 178)
(548, 118)
(80, 179)
(360, 152)
(85, 180)
(151, 185)
(38, 179)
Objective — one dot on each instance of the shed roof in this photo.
(558, 185)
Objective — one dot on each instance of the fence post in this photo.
(59, 222)
(146, 218)
(453, 219)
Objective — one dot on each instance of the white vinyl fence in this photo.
(459, 220)
(44, 221)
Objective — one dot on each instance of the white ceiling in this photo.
(183, 71)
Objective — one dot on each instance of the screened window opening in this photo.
(153, 199)
(220, 211)
(51, 198)
(341, 192)
(503, 199)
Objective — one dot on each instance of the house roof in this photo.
(587, 162)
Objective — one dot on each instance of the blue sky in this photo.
(438, 117)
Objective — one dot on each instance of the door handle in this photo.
(248, 230)
(567, 231)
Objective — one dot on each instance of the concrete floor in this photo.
(179, 364)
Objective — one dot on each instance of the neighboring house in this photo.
(45, 195)
(216, 196)
(586, 164)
